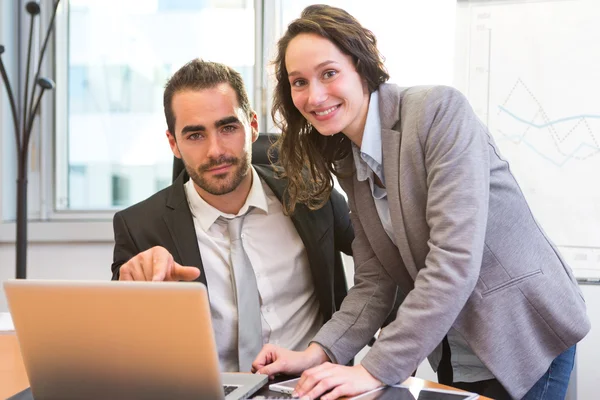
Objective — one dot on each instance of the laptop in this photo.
(120, 340)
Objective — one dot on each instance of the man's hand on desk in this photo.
(156, 264)
(273, 360)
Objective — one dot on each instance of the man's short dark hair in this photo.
(199, 74)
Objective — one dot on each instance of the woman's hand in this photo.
(274, 360)
(341, 380)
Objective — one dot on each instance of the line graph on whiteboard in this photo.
(558, 141)
(532, 79)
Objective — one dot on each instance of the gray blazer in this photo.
(469, 252)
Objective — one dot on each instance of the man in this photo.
(296, 280)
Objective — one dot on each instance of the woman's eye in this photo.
(299, 83)
(329, 74)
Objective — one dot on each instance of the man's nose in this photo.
(215, 146)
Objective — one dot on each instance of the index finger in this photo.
(183, 273)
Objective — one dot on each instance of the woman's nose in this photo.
(317, 94)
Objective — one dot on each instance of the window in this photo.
(120, 190)
(118, 56)
(103, 146)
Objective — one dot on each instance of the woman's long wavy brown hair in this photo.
(307, 157)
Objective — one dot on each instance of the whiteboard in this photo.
(531, 70)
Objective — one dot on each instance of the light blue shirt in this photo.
(369, 162)
(466, 366)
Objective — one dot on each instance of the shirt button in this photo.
(243, 235)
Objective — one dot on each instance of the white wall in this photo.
(588, 351)
(58, 261)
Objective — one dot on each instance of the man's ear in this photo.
(254, 126)
(173, 144)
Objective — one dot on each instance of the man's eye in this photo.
(229, 128)
(195, 136)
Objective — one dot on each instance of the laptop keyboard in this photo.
(229, 389)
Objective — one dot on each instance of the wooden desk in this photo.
(13, 377)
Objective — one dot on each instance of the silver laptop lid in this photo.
(115, 340)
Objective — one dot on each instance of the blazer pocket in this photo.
(510, 283)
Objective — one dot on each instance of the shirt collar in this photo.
(370, 153)
(371, 141)
(207, 214)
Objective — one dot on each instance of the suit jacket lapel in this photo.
(310, 229)
(180, 223)
(306, 222)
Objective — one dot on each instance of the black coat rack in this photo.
(23, 123)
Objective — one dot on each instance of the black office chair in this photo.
(260, 153)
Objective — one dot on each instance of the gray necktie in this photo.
(246, 296)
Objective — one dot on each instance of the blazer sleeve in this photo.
(125, 247)
(455, 150)
(365, 307)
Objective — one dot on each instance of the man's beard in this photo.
(220, 184)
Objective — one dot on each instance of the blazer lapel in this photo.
(391, 140)
(180, 223)
(382, 246)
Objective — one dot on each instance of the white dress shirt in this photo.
(290, 313)
(466, 366)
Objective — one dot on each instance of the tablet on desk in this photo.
(400, 392)
(286, 387)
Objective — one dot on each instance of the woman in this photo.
(438, 216)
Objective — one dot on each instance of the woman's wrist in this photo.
(366, 372)
(316, 354)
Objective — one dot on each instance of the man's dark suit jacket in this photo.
(165, 220)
